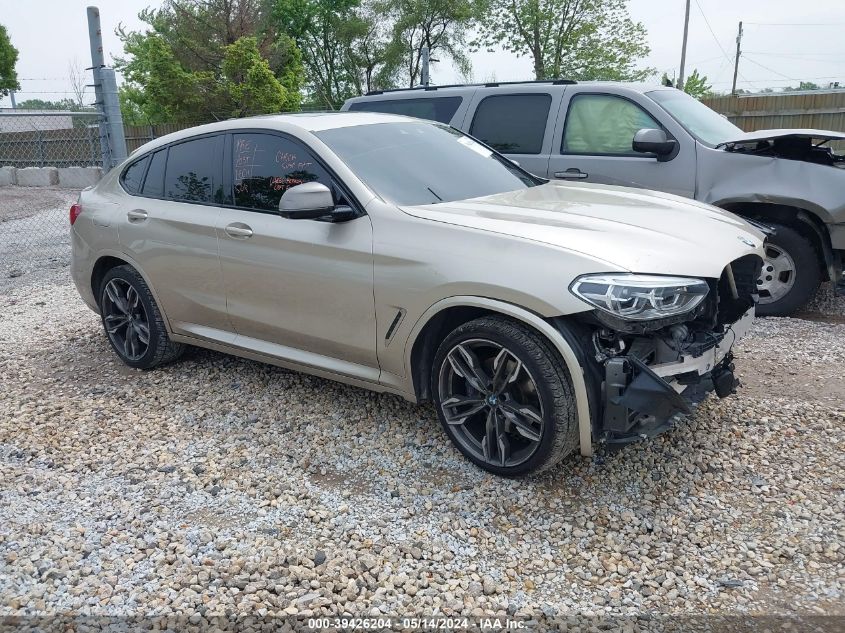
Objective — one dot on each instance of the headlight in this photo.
(640, 297)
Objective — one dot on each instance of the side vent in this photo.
(400, 314)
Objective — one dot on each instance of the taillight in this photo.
(75, 211)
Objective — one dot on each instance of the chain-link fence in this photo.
(46, 158)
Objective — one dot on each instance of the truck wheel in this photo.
(790, 275)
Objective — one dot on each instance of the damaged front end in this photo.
(643, 372)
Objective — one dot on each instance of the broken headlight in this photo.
(636, 297)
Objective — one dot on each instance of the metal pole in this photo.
(12, 96)
(424, 66)
(111, 106)
(736, 61)
(680, 84)
(95, 39)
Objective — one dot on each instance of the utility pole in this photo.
(425, 60)
(736, 61)
(12, 97)
(98, 61)
(680, 84)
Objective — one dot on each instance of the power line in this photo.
(796, 24)
(710, 28)
(780, 74)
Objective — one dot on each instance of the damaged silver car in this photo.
(400, 255)
(652, 137)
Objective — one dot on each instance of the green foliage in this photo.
(207, 60)
(441, 25)
(325, 31)
(66, 105)
(574, 39)
(8, 59)
(696, 85)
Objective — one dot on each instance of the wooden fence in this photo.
(818, 110)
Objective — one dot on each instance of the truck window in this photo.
(603, 124)
(440, 109)
(512, 124)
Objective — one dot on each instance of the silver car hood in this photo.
(634, 229)
(770, 135)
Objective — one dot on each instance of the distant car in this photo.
(660, 138)
(401, 255)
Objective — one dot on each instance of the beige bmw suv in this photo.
(400, 255)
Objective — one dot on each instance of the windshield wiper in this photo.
(434, 194)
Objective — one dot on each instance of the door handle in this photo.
(136, 214)
(238, 230)
(572, 172)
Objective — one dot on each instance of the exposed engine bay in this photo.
(801, 148)
(646, 373)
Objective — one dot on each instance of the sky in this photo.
(784, 42)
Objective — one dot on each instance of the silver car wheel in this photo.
(490, 400)
(777, 275)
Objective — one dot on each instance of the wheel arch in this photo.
(803, 220)
(444, 316)
(111, 259)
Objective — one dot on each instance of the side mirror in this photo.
(308, 201)
(653, 141)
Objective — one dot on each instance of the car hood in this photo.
(770, 135)
(630, 229)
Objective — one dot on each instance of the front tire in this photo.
(504, 397)
(790, 275)
(133, 322)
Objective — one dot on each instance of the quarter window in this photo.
(603, 124)
(154, 182)
(512, 124)
(193, 171)
(440, 109)
(265, 166)
(134, 175)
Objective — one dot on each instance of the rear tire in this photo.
(516, 413)
(132, 321)
(790, 275)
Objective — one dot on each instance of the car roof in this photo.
(301, 122)
(420, 92)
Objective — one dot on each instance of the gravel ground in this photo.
(220, 486)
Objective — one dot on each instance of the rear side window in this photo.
(193, 171)
(603, 124)
(265, 166)
(154, 182)
(133, 175)
(440, 109)
(512, 124)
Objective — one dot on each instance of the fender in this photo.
(569, 356)
(129, 260)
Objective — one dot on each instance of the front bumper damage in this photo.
(642, 376)
(642, 400)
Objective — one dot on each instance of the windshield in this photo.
(699, 120)
(423, 163)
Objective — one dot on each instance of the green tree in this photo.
(696, 85)
(575, 39)
(202, 60)
(324, 31)
(440, 25)
(8, 59)
(248, 83)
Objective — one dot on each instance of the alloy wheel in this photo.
(125, 319)
(491, 402)
(777, 276)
